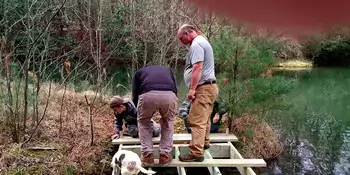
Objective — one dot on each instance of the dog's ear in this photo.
(120, 160)
(116, 162)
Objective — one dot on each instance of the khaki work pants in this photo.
(199, 118)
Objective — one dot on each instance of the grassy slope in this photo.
(73, 152)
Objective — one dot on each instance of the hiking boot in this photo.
(206, 146)
(165, 159)
(190, 158)
(147, 158)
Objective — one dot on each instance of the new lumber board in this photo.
(180, 170)
(212, 170)
(178, 138)
(234, 154)
(213, 163)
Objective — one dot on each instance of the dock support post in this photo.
(234, 154)
(212, 170)
(180, 170)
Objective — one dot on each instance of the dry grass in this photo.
(179, 126)
(73, 142)
(262, 140)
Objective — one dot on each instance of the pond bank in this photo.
(294, 64)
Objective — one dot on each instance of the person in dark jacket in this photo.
(217, 117)
(125, 109)
(154, 89)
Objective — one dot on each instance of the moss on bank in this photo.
(294, 64)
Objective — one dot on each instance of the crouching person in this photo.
(125, 109)
(217, 117)
(154, 89)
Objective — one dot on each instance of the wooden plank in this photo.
(137, 149)
(234, 154)
(178, 138)
(217, 150)
(180, 170)
(250, 171)
(212, 170)
(214, 163)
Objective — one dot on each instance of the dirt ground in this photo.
(66, 128)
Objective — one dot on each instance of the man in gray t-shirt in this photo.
(200, 78)
(200, 51)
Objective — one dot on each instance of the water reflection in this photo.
(314, 129)
(342, 167)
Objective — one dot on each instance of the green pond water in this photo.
(316, 129)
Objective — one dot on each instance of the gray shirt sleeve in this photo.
(196, 54)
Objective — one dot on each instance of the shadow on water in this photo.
(315, 131)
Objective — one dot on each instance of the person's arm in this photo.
(118, 124)
(215, 113)
(135, 88)
(222, 106)
(196, 75)
(173, 78)
(197, 59)
(184, 109)
(133, 110)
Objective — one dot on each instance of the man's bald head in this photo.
(187, 33)
(186, 27)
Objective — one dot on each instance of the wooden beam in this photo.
(217, 150)
(150, 168)
(178, 138)
(180, 170)
(212, 170)
(234, 154)
(214, 163)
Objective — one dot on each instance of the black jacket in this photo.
(154, 77)
(129, 115)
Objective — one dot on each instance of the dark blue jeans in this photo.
(213, 128)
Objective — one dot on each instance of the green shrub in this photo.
(329, 49)
(245, 62)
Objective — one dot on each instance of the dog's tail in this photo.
(143, 170)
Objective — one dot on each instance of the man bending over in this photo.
(125, 109)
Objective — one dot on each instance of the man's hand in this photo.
(115, 136)
(191, 94)
(216, 118)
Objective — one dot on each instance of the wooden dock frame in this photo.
(222, 153)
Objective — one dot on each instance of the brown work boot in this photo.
(165, 159)
(206, 146)
(190, 158)
(147, 158)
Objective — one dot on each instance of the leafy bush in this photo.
(329, 49)
(248, 84)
